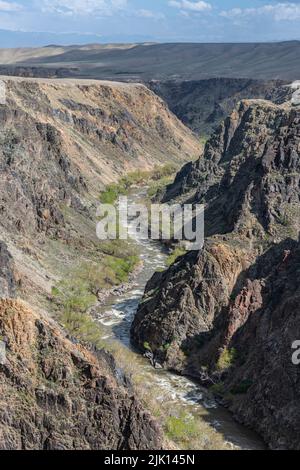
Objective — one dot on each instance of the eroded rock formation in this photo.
(228, 315)
(55, 394)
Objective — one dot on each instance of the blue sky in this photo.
(156, 20)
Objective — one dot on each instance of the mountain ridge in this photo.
(187, 61)
(227, 315)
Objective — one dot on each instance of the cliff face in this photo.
(203, 104)
(228, 315)
(7, 278)
(262, 387)
(58, 395)
(60, 143)
(249, 174)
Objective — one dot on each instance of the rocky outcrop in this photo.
(7, 277)
(203, 104)
(228, 315)
(262, 386)
(249, 175)
(61, 142)
(248, 180)
(57, 395)
(183, 302)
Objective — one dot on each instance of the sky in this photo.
(41, 21)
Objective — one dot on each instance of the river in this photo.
(116, 314)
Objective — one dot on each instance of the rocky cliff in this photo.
(60, 143)
(203, 104)
(249, 175)
(7, 277)
(228, 315)
(58, 395)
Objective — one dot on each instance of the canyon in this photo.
(61, 144)
(223, 318)
(227, 315)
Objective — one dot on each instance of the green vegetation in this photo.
(159, 175)
(83, 327)
(218, 389)
(77, 293)
(111, 193)
(181, 428)
(226, 359)
(158, 185)
(284, 219)
(204, 139)
(189, 433)
(147, 346)
(179, 251)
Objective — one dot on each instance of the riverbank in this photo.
(188, 413)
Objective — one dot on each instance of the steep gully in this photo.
(116, 314)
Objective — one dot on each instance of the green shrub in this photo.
(226, 359)
(83, 327)
(181, 428)
(114, 190)
(218, 389)
(118, 269)
(158, 185)
(284, 220)
(111, 193)
(147, 346)
(175, 255)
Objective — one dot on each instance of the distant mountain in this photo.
(11, 39)
(144, 62)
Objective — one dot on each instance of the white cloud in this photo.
(278, 12)
(10, 6)
(189, 5)
(150, 14)
(84, 7)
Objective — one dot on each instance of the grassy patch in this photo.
(111, 193)
(226, 359)
(159, 176)
(159, 185)
(147, 346)
(181, 429)
(204, 139)
(78, 291)
(175, 255)
(82, 326)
